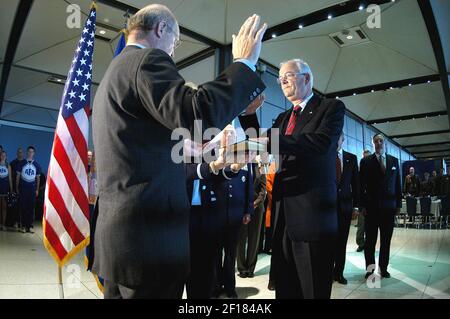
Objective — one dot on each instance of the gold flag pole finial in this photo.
(94, 5)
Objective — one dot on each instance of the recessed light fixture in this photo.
(354, 94)
(428, 81)
(274, 35)
(337, 97)
(361, 7)
(409, 84)
(102, 32)
(349, 37)
(372, 91)
(330, 16)
(300, 26)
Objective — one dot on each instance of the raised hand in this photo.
(247, 43)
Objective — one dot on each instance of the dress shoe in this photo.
(368, 274)
(232, 294)
(271, 285)
(360, 249)
(243, 275)
(340, 279)
(385, 274)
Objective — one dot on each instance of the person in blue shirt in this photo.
(27, 183)
(5, 187)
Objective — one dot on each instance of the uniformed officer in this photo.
(27, 181)
(206, 221)
(235, 205)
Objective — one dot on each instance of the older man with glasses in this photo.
(304, 190)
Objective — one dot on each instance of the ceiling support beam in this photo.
(30, 126)
(433, 32)
(433, 151)
(317, 17)
(407, 117)
(420, 134)
(427, 144)
(385, 86)
(196, 57)
(20, 19)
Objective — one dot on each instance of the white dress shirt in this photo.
(305, 101)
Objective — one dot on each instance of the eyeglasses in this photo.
(177, 41)
(289, 76)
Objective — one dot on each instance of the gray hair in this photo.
(148, 17)
(302, 66)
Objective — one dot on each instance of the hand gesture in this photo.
(247, 43)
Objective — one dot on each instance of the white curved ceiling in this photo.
(401, 49)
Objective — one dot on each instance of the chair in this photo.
(411, 209)
(425, 209)
(445, 210)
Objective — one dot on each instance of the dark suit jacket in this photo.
(306, 183)
(412, 186)
(348, 188)
(380, 192)
(259, 186)
(235, 197)
(142, 228)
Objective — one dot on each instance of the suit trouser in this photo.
(204, 246)
(344, 221)
(247, 251)
(303, 269)
(161, 289)
(360, 241)
(27, 200)
(225, 270)
(374, 220)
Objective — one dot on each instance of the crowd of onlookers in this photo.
(430, 185)
(22, 185)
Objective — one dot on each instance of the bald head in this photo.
(154, 26)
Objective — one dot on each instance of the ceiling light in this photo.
(300, 26)
(372, 91)
(337, 97)
(274, 35)
(409, 84)
(429, 81)
(354, 94)
(349, 37)
(102, 32)
(361, 7)
(330, 16)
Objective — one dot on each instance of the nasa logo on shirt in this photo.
(3, 172)
(29, 172)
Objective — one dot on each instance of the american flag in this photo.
(66, 206)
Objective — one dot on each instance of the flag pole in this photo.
(60, 283)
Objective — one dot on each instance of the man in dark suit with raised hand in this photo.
(381, 199)
(142, 232)
(304, 191)
(347, 178)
